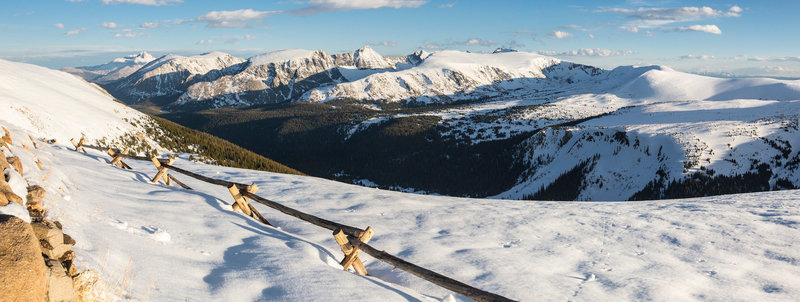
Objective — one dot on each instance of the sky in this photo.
(744, 38)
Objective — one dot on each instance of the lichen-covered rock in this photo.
(15, 163)
(23, 274)
(3, 162)
(35, 199)
(47, 231)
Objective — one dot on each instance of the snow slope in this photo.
(153, 242)
(174, 244)
(59, 105)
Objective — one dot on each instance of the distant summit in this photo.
(116, 69)
(502, 50)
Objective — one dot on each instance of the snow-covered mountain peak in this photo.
(137, 58)
(367, 58)
(116, 69)
(519, 62)
(281, 56)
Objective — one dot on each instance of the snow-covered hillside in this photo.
(114, 70)
(153, 242)
(59, 105)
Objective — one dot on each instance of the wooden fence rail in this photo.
(355, 241)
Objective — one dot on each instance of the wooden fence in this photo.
(351, 240)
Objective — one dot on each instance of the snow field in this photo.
(188, 244)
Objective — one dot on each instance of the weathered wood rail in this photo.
(352, 240)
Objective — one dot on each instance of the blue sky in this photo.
(740, 38)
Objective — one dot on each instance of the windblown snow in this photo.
(154, 242)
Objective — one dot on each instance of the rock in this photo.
(35, 199)
(68, 240)
(60, 284)
(8, 192)
(23, 274)
(15, 163)
(3, 162)
(3, 199)
(48, 231)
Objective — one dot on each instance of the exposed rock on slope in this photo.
(22, 269)
(170, 75)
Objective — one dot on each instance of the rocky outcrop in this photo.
(15, 163)
(7, 193)
(35, 200)
(23, 274)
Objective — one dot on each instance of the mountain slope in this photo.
(56, 105)
(112, 71)
(156, 242)
(168, 76)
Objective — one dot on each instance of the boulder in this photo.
(23, 274)
(52, 239)
(35, 199)
(15, 163)
(8, 193)
(60, 284)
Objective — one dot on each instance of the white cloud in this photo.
(560, 34)
(587, 52)
(127, 33)
(571, 26)
(450, 44)
(110, 25)
(709, 28)
(382, 43)
(734, 11)
(321, 6)
(144, 2)
(233, 19)
(659, 17)
(75, 31)
(205, 42)
(429, 45)
(773, 59)
(591, 36)
(149, 25)
(448, 5)
(59, 25)
(481, 42)
(669, 14)
(698, 57)
(513, 44)
(249, 37)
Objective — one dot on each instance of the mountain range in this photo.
(137, 240)
(506, 124)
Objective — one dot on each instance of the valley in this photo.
(504, 125)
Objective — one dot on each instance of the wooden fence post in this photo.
(347, 249)
(178, 182)
(365, 236)
(78, 145)
(118, 159)
(241, 203)
(162, 171)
